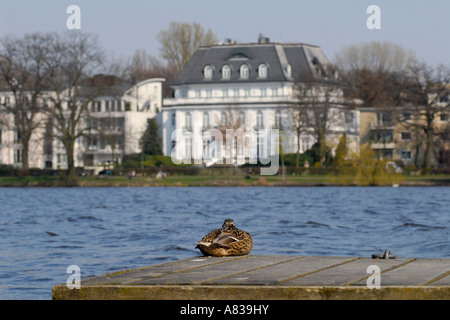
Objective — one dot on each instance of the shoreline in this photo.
(227, 181)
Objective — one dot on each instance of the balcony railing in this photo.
(382, 125)
(382, 145)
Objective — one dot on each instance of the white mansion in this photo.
(252, 87)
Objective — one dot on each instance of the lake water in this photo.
(102, 230)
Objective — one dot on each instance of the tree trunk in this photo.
(429, 150)
(71, 173)
(297, 158)
(25, 160)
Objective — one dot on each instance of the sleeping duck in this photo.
(226, 241)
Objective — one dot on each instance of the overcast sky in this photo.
(126, 25)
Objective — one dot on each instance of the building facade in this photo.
(118, 121)
(253, 87)
(397, 134)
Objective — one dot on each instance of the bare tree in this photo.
(298, 123)
(180, 41)
(230, 119)
(425, 91)
(142, 66)
(370, 71)
(374, 56)
(22, 71)
(72, 60)
(316, 106)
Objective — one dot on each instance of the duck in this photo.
(226, 241)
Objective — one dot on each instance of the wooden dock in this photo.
(261, 277)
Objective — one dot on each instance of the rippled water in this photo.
(102, 230)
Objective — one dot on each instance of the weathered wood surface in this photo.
(270, 277)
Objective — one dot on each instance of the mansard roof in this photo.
(286, 62)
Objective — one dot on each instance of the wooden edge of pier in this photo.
(264, 277)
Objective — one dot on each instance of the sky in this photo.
(126, 25)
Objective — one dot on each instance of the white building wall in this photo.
(145, 101)
(250, 101)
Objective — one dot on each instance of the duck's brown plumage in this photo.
(226, 241)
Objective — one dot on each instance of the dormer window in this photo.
(289, 70)
(226, 72)
(208, 72)
(262, 71)
(244, 71)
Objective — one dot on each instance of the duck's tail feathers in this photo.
(203, 243)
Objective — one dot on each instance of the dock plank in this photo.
(344, 274)
(211, 272)
(130, 276)
(281, 272)
(416, 273)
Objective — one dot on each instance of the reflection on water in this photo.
(102, 230)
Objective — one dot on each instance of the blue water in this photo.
(102, 230)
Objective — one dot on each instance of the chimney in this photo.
(262, 39)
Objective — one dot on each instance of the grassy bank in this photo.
(219, 180)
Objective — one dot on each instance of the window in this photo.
(405, 135)
(205, 120)
(259, 120)
(263, 92)
(208, 72)
(349, 117)
(174, 118)
(119, 105)
(187, 148)
(407, 115)
(261, 150)
(278, 120)
(244, 71)
(17, 137)
(386, 154)
(241, 119)
(226, 72)
(223, 118)
(262, 71)
(182, 93)
(188, 121)
(406, 155)
(444, 116)
(99, 106)
(107, 106)
(385, 118)
(305, 145)
(383, 136)
(60, 158)
(18, 156)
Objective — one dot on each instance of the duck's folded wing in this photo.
(224, 240)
